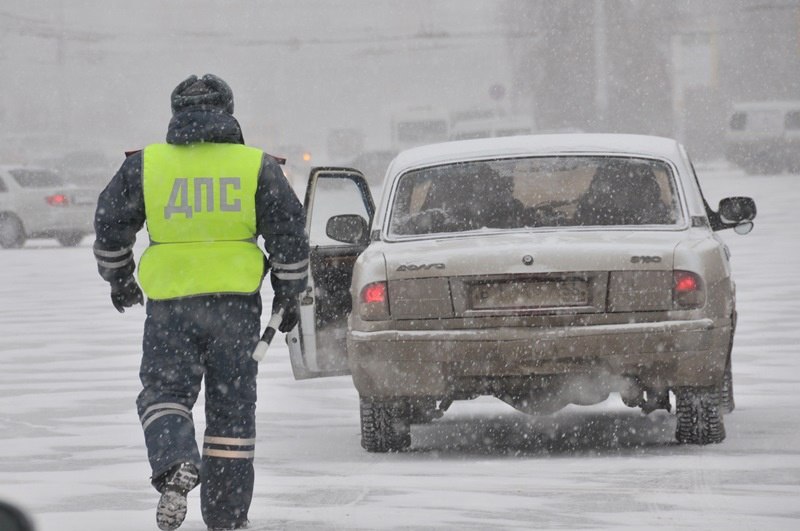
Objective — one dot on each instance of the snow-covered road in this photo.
(72, 452)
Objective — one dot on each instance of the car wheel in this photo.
(385, 425)
(699, 415)
(12, 235)
(726, 402)
(69, 239)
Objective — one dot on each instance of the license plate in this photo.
(529, 294)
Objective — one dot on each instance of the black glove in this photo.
(126, 293)
(291, 311)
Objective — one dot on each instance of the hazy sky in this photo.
(94, 72)
(84, 74)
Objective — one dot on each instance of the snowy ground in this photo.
(72, 453)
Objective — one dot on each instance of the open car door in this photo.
(339, 210)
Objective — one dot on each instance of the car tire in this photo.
(699, 415)
(69, 239)
(12, 234)
(726, 402)
(385, 425)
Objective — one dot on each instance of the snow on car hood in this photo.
(526, 252)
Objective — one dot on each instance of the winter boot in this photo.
(244, 525)
(171, 509)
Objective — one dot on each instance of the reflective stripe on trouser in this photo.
(158, 422)
(228, 472)
(186, 340)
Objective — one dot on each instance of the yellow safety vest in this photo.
(200, 206)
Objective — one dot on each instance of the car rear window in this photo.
(793, 120)
(36, 178)
(565, 191)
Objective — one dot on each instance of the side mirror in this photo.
(737, 209)
(737, 212)
(348, 228)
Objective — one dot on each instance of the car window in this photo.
(567, 191)
(793, 120)
(337, 196)
(738, 121)
(36, 178)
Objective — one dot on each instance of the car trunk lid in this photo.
(586, 271)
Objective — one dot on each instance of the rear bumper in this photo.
(425, 363)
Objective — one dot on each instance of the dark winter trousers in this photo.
(184, 341)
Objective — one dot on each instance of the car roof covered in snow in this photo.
(536, 145)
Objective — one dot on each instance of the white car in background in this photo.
(764, 136)
(37, 203)
(543, 270)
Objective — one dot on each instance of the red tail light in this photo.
(687, 290)
(375, 292)
(685, 283)
(374, 302)
(57, 200)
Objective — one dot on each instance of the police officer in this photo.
(206, 198)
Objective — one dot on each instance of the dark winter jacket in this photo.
(280, 217)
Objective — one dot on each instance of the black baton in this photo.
(266, 338)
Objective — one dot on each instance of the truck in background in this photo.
(417, 126)
(491, 127)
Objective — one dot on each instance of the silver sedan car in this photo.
(543, 270)
(37, 203)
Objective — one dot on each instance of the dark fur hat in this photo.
(207, 92)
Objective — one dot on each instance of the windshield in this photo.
(36, 178)
(565, 191)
